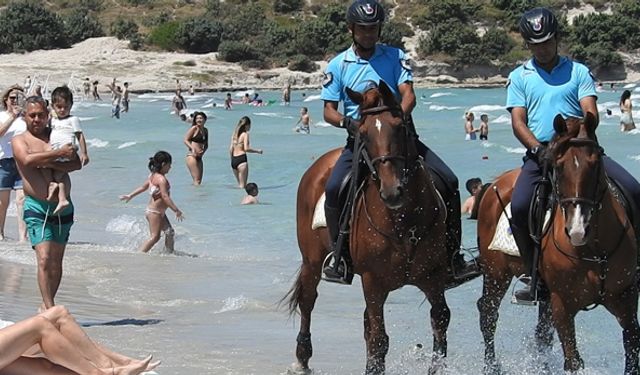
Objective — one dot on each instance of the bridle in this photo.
(373, 163)
(595, 203)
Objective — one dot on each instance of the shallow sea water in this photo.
(212, 309)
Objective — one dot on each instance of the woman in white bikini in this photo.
(238, 150)
(626, 112)
(159, 201)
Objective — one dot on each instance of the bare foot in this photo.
(152, 365)
(53, 188)
(133, 368)
(61, 206)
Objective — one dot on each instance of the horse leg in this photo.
(565, 325)
(544, 328)
(625, 309)
(307, 294)
(493, 290)
(440, 314)
(374, 330)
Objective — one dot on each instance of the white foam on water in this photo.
(629, 86)
(439, 94)
(272, 114)
(311, 98)
(97, 143)
(124, 224)
(514, 150)
(83, 119)
(322, 124)
(438, 108)
(502, 119)
(240, 94)
(127, 144)
(478, 109)
(233, 304)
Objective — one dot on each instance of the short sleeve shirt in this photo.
(388, 64)
(18, 126)
(546, 94)
(63, 131)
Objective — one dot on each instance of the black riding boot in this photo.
(339, 270)
(461, 268)
(525, 246)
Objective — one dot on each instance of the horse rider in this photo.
(546, 85)
(364, 62)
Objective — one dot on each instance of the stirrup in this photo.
(470, 268)
(342, 276)
(526, 280)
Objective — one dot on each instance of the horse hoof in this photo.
(438, 365)
(492, 369)
(298, 369)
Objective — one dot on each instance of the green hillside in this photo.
(294, 33)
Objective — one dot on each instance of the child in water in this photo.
(159, 201)
(252, 194)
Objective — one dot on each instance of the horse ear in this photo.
(354, 95)
(387, 94)
(559, 124)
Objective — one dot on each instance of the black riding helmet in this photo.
(365, 12)
(538, 25)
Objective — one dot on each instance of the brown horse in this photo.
(397, 231)
(589, 251)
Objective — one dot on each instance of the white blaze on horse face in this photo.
(576, 162)
(577, 227)
(378, 125)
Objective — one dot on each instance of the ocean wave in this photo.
(634, 157)
(124, 224)
(514, 150)
(127, 144)
(634, 131)
(486, 108)
(233, 304)
(438, 108)
(311, 98)
(272, 114)
(240, 94)
(97, 143)
(502, 119)
(83, 119)
(322, 124)
(439, 94)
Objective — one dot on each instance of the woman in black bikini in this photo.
(238, 151)
(197, 141)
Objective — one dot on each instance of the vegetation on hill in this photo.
(294, 33)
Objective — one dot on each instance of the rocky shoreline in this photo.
(104, 58)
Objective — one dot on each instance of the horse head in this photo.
(386, 141)
(576, 158)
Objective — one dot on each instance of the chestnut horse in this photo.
(397, 231)
(588, 255)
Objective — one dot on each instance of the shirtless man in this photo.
(48, 233)
(304, 121)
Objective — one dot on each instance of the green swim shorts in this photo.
(42, 225)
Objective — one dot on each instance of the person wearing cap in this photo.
(11, 124)
(544, 86)
(364, 63)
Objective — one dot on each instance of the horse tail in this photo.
(293, 295)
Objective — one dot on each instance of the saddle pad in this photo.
(319, 220)
(502, 238)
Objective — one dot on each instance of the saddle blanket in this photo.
(319, 220)
(503, 238)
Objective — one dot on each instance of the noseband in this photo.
(595, 203)
(372, 163)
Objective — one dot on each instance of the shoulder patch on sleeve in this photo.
(406, 63)
(328, 78)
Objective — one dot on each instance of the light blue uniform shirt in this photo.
(544, 94)
(348, 70)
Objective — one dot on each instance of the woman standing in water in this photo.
(238, 150)
(626, 114)
(197, 142)
(159, 201)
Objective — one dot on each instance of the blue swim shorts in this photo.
(42, 225)
(9, 176)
